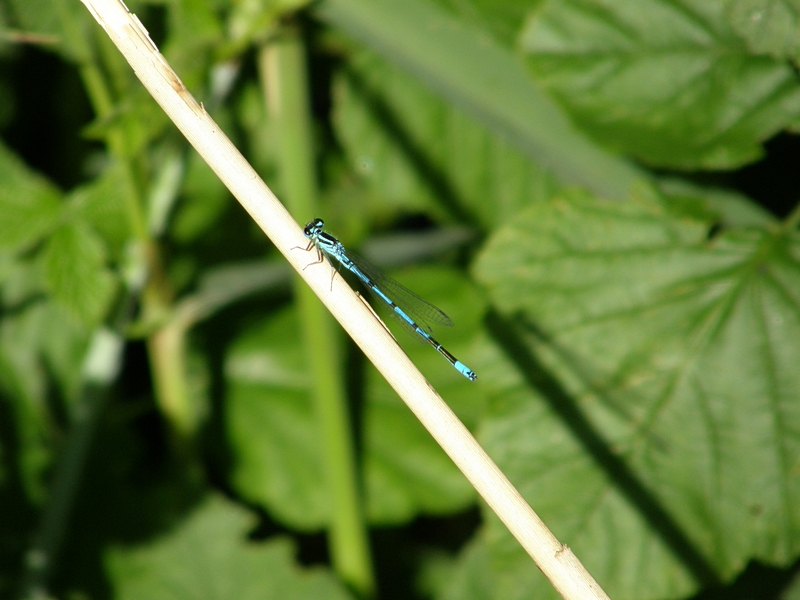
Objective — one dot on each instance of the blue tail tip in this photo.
(465, 371)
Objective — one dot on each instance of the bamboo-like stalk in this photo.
(556, 560)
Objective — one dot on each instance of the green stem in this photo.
(166, 347)
(102, 101)
(283, 72)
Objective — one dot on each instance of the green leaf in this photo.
(29, 204)
(668, 82)
(647, 390)
(504, 18)
(423, 155)
(729, 208)
(466, 66)
(204, 200)
(136, 121)
(208, 556)
(76, 273)
(101, 203)
(23, 382)
(792, 591)
(469, 577)
(274, 434)
(584, 507)
(66, 22)
(271, 424)
(768, 26)
(407, 474)
(261, 134)
(37, 339)
(251, 22)
(195, 31)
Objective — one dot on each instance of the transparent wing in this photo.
(422, 311)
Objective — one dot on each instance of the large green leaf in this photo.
(464, 64)
(668, 82)
(275, 437)
(76, 272)
(270, 423)
(422, 154)
(208, 556)
(504, 18)
(730, 209)
(647, 390)
(135, 121)
(29, 204)
(768, 26)
(103, 204)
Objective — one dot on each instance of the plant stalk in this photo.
(282, 64)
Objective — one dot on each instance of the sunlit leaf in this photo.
(135, 121)
(504, 18)
(208, 556)
(76, 271)
(422, 154)
(726, 207)
(669, 82)
(471, 70)
(768, 26)
(666, 404)
(29, 204)
(275, 435)
(104, 205)
(271, 424)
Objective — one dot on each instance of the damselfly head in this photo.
(313, 228)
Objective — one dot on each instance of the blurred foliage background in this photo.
(601, 194)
